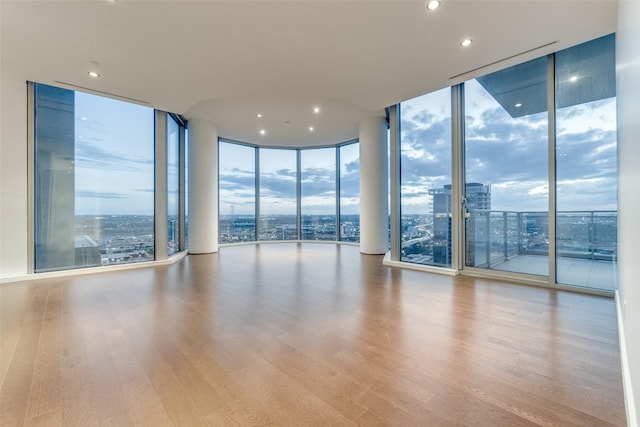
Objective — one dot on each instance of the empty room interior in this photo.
(403, 213)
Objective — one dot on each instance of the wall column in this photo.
(203, 187)
(374, 202)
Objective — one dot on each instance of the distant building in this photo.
(478, 198)
(87, 252)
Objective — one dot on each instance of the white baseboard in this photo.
(92, 270)
(419, 267)
(632, 418)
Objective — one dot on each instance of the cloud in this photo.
(511, 154)
(100, 194)
(90, 155)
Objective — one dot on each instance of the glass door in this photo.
(506, 190)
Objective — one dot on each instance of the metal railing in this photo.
(496, 236)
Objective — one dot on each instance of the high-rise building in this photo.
(478, 198)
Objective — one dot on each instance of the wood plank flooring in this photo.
(303, 335)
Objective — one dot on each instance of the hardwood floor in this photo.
(311, 334)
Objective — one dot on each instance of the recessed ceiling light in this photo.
(466, 42)
(433, 4)
(316, 110)
(94, 74)
(259, 115)
(83, 118)
(573, 78)
(310, 128)
(263, 132)
(518, 105)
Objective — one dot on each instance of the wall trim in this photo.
(91, 270)
(627, 385)
(418, 267)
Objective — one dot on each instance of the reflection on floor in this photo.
(571, 271)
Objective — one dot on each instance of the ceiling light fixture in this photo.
(433, 4)
(466, 42)
(518, 105)
(94, 74)
(573, 78)
(259, 115)
(316, 110)
(310, 128)
(263, 132)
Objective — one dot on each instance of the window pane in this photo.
(586, 160)
(506, 163)
(425, 182)
(94, 180)
(173, 186)
(318, 192)
(237, 183)
(350, 192)
(278, 199)
(186, 188)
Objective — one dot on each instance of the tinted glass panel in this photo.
(350, 192)
(586, 160)
(94, 180)
(278, 194)
(173, 186)
(506, 163)
(237, 183)
(426, 179)
(318, 194)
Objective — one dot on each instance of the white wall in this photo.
(628, 92)
(13, 178)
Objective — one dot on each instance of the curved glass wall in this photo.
(288, 193)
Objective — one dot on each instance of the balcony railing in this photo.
(497, 236)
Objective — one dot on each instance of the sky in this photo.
(510, 154)
(278, 172)
(114, 157)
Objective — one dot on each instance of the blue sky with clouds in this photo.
(510, 154)
(114, 157)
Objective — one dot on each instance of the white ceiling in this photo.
(227, 61)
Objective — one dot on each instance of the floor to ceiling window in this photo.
(425, 162)
(237, 193)
(186, 189)
(506, 164)
(278, 194)
(318, 194)
(174, 227)
(349, 192)
(94, 180)
(509, 142)
(586, 164)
